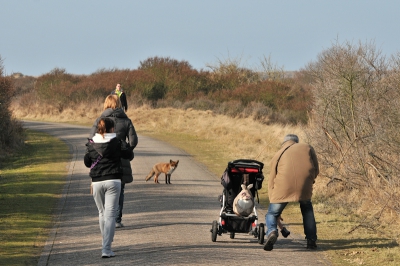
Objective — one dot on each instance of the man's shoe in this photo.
(271, 239)
(118, 225)
(107, 255)
(285, 233)
(311, 244)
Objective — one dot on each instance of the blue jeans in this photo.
(118, 218)
(106, 195)
(307, 211)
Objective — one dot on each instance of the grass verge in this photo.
(31, 183)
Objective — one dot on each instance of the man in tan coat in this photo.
(293, 171)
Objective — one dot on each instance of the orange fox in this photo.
(166, 168)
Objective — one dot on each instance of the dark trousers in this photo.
(118, 218)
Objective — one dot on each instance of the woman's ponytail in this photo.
(104, 126)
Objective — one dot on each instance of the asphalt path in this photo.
(164, 224)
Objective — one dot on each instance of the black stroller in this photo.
(238, 172)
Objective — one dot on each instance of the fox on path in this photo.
(166, 168)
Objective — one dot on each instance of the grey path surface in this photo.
(164, 224)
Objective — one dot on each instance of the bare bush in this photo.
(354, 124)
(230, 73)
(271, 71)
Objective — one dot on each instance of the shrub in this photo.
(56, 88)
(11, 133)
(23, 84)
(172, 78)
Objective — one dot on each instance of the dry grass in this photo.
(239, 137)
(243, 137)
(216, 139)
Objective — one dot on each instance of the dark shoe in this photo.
(285, 233)
(271, 239)
(311, 244)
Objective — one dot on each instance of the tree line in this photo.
(159, 82)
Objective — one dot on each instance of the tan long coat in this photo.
(296, 173)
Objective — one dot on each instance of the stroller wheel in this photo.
(261, 234)
(214, 231)
(232, 236)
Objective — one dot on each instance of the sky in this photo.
(84, 36)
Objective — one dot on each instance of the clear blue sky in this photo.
(83, 36)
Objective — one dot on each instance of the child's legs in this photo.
(279, 221)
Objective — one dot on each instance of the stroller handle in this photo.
(245, 161)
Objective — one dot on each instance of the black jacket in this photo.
(123, 126)
(108, 157)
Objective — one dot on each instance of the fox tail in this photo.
(150, 175)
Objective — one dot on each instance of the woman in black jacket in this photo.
(125, 131)
(103, 155)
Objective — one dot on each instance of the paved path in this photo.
(164, 224)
